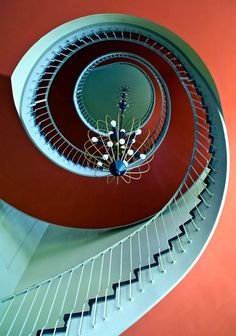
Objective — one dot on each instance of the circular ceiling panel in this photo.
(97, 92)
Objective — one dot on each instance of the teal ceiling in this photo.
(101, 93)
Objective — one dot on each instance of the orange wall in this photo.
(204, 303)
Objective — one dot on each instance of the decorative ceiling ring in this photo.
(109, 62)
(159, 131)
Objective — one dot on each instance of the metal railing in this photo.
(40, 115)
(73, 292)
(51, 305)
(43, 119)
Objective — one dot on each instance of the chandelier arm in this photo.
(94, 145)
(139, 147)
(102, 122)
(118, 137)
(130, 173)
(85, 152)
(124, 179)
(93, 159)
(87, 149)
(141, 171)
(89, 160)
(113, 154)
(144, 163)
(111, 178)
(132, 177)
(89, 154)
(125, 152)
(101, 138)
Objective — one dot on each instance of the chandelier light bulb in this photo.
(105, 157)
(118, 153)
(113, 123)
(130, 152)
(110, 144)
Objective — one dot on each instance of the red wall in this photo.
(204, 303)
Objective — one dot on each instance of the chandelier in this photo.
(120, 152)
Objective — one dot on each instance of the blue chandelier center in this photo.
(118, 168)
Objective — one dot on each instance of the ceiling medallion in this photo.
(120, 152)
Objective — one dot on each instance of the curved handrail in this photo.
(200, 148)
(154, 140)
(117, 243)
(65, 53)
(173, 197)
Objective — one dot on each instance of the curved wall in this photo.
(209, 27)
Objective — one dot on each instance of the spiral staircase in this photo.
(173, 208)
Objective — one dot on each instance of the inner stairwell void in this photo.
(107, 292)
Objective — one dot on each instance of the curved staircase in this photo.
(108, 292)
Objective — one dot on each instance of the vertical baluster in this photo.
(66, 149)
(204, 167)
(149, 255)
(61, 145)
(18, 311)
(166, 234)
(42, 130)
(201, 118)
(63, 303)
(120, 277)
(52, 305)
(182, 219)
(176, 228)
(195, 203)
(86, 300)
(108, 285)
(202, 155)
(200, 177)
(187, 207)
(54, 144)
(107, 37)
(75, 301)
(68, 155)
(30, 309)
(159, 248)
(41, 306)
(99, 287)
(131, 268)
(198, 191)
(203, 136)
(140, 265)
(211, 167)
(153, 45)
(203, 146)
(11, 301)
